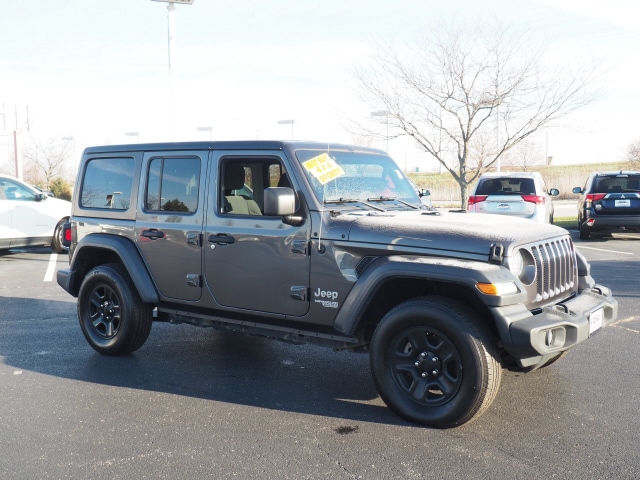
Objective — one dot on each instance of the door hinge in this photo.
(194, 239)
(299, 292)
(299, 246)
(194, 280)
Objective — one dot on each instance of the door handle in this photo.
(221, 239)
(153, 234)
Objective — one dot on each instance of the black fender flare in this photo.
(130, 258)
(450, 270)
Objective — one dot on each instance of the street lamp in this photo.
(171, 21)
(133, 134)
(383, 113)
(288, 122)
(71, 139)
(207, 129)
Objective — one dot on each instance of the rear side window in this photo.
(107, 183)
(172, 185)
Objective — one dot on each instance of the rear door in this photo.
(169, 222)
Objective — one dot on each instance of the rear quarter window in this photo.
(107, 183)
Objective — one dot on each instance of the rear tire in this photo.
(56, 242)
(112, 317)
(434, 362)
(585, 232)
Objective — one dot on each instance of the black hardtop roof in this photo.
(229, 145)
(615, 172)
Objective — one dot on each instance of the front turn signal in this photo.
(504, 288)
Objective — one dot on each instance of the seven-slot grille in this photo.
(555, 267)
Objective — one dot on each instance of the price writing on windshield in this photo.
(324, 168)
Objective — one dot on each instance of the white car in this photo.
(522, 194)
(29, 218)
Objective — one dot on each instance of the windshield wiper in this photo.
(391, 199)
(353, 200)
(341, 200)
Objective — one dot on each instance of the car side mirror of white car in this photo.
(41, 197)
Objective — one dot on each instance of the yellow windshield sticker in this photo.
(324, 168)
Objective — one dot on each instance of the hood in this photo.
(462, 232)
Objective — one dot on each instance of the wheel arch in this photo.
(390, 281)
(94, 250)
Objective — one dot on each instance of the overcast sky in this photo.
(96, 70)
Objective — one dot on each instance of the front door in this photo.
(253, 261)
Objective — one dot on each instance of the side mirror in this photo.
(279, 201)
(423, 192)
(554, 192)
(41, 197)
(577, 190)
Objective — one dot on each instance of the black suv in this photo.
(326, 244)
(609, 201)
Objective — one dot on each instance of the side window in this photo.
(278, 177)
(244, 181)
(14, 191)
(172, 185)
(107, 183)
(237, 195)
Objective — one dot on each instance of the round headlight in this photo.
(522, 265)
(516, 263)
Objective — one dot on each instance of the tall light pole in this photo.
(383, 113)
(207, 129)
(133, 134)
(72, 139)
(288, 122)
(171, 21)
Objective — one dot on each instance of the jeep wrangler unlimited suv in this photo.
(324, 244)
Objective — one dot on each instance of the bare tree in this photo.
(634, 152)
(524, 155)
(48, 158)
(467, 96)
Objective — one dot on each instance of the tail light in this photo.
(589, 198)
(66, 234)
(473, 199)
(592, 197)
(537, 199)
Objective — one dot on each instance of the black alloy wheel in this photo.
(435, 363)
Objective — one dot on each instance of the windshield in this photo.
(340, 177)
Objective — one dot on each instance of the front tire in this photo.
(112, 317)
(585, 232)
(434, 362)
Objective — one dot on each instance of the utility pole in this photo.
(171, 21)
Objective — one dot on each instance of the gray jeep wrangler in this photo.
(324, 244)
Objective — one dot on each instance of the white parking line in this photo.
(604, 250)
(51, 268)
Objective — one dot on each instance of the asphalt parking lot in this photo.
(196, 403)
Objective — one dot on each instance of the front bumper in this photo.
(534, 339)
